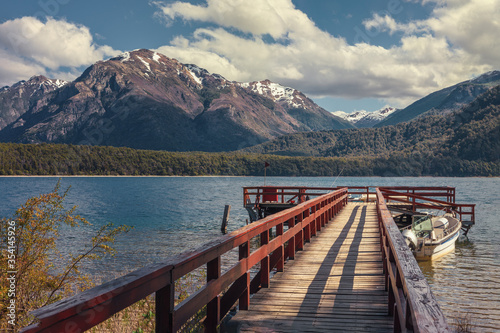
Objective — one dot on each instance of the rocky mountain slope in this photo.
(143, 99)
(363, 118)
(15, 100)
(471, 133)
(445, 100)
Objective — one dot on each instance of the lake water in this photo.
(173, 214)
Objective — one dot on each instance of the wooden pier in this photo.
(321, 264)
(336, 284)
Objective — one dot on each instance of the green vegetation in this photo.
(53, 159)
(39, 273)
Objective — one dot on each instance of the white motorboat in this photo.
(431, 236)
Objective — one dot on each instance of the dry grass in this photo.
(137, 318)
(140, 317)
(463, 323)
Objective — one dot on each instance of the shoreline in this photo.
(226, 176)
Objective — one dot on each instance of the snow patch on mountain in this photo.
(59, 83)
(364, 118)
(156, 57)
(276, 92)
(196, 73)
(145, 64)
(125, 56)
(352, 117)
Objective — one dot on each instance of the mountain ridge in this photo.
(471, 133)
(143, 99)
(445, 100)
(363, 119)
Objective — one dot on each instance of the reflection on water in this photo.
(174, 214)
(466, 283)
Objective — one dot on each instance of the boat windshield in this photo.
(422, 226)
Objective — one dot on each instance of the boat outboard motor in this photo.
(410, 238)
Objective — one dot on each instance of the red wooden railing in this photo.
(298, 193)
(292, 228)
(284, 194)
(425, 199)
(411, 301)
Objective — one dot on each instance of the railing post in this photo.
(281, 262)
(164, 301)
(302, 192)
(312, 225)
(244, 252)
(307, 228)
(318, 220)
(291, 241)
(245, 197)
(265, 266)
(299, 237)
(213, 307)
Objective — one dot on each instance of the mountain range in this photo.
(363, 118)
(143, 99)
(445, 100)
(471, 133)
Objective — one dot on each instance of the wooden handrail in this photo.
(426, 202)
(411, 301)
(87, 309)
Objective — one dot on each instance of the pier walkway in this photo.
(336, 284)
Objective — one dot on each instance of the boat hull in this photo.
(436, 250)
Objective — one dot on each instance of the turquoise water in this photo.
(173, 214)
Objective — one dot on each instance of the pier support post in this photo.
(213, 307)
(223, 227)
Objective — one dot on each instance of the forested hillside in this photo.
(471, 134)
(52, 159)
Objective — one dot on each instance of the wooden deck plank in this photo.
(335, 284)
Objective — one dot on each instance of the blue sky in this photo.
(346, 55)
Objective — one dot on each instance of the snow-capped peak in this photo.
(364, 118)
(276, 92)
(353, 116)
(125, 56)
(60, 83)
(486, 77)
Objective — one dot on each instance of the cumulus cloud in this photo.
(37, 47)
(470, 25)
(263, 39)
(258, 17)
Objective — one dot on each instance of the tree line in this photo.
(62, 159)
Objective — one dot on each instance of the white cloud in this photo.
(430, 55)
(470, 25)
(14, 69)
(258, 17)
(389, 24)
(37, 47)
